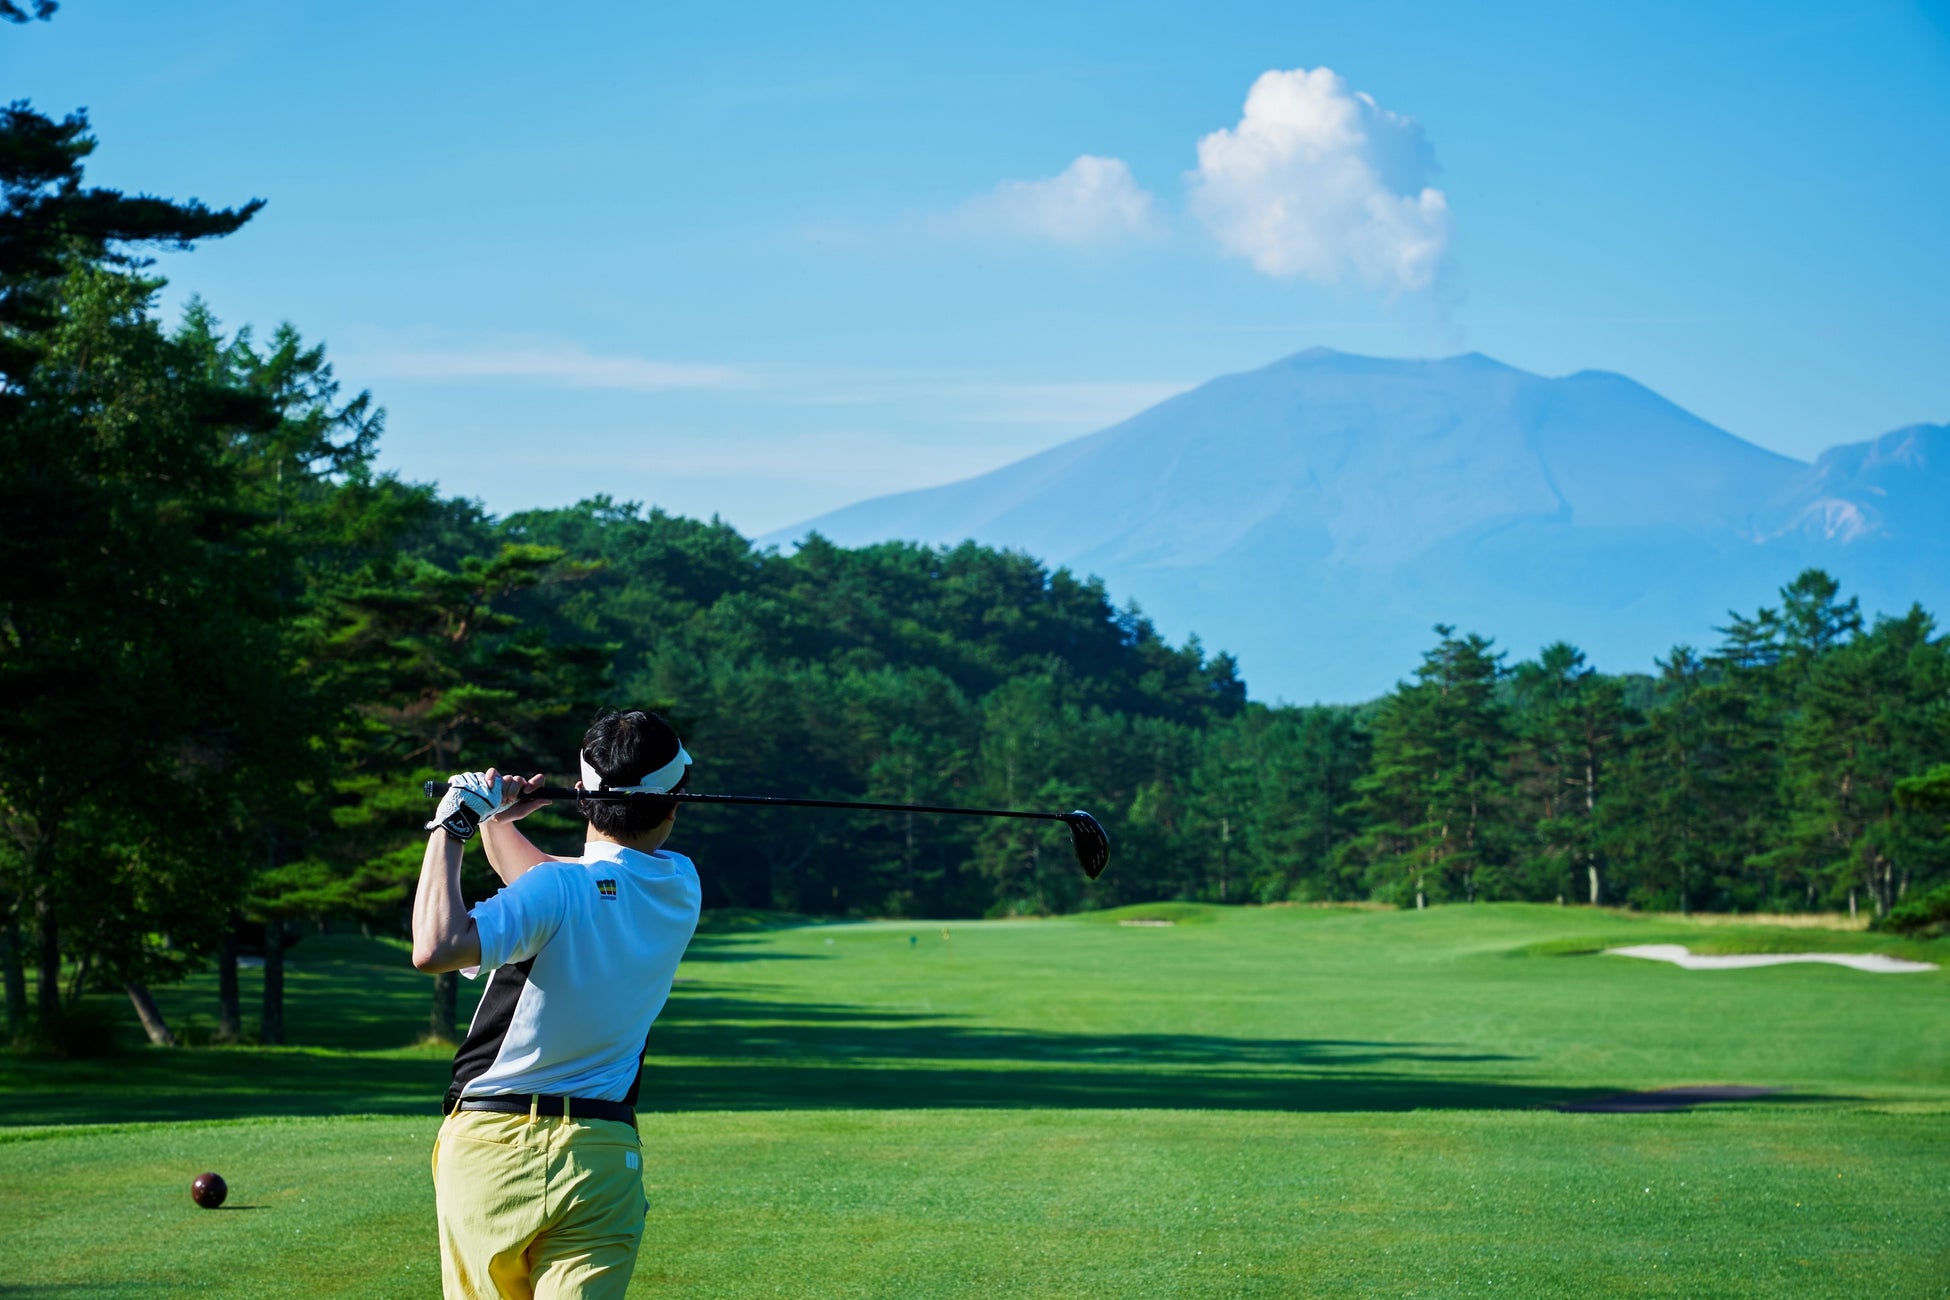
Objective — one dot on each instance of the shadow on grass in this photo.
(678, 1087)
(720, 1052)
(716, 1049)
(744, 1030)
(220, 1083)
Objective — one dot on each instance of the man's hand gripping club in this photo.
(471, 798)
(444, 935)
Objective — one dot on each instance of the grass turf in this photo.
(1247, 1102)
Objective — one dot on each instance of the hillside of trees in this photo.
(230, 650)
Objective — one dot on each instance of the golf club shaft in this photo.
(435, 789)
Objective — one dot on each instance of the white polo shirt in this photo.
(583, 953)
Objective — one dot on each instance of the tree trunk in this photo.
(151, 1016)
(1590, 817)
(1225, 854)
(78, 984)
(272, 1030)
(47, 995)
(446, 1001)
(230, 1015)
(908, 854)
(15, 975)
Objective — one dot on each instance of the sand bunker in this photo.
(1873, 962)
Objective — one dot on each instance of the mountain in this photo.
(1892, 490)
(1318, 515)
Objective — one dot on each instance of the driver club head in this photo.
(1092, 845)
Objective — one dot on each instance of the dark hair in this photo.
(624, 748)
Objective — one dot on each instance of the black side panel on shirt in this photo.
(637, 1082)
(491, 1020)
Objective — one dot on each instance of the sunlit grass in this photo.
(1280, 1101)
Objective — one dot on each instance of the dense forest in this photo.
(230, 649)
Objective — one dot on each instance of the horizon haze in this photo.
(1317, 516)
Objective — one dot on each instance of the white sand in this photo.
(1873, 962)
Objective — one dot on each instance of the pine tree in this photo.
(446, 680)
(1863, 723)
(1432, 805)
(107, 454)
(1572, 725)
(1743, 705)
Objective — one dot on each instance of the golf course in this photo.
(1164, 1100)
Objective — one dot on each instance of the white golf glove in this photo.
(471, 798)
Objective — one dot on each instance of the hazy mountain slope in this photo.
(1895, 488)
(1317, 515)
(1877, 515)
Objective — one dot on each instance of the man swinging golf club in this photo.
(538, 1178)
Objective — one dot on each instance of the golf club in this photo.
(1086, 835)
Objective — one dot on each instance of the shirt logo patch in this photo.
(607, 888)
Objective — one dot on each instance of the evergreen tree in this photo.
(1744, 706)
(1432, 806)
(139, 643)
(1864, 722)
(1926, 796)
(21, 11)
(1667, 821)
(1271, 796)
(109, 460)
(445, 679)
(1572, 726)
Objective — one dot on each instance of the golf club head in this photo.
(1092, 845)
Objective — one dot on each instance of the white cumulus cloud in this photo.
(1321, 182)
(1092, 202)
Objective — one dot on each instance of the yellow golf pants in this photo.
(537, 1209)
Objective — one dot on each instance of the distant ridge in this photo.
(1317, 515)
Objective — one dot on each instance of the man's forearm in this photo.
(444, 937)
(509, 852)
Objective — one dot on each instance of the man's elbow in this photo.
(438, 949)
(438, 959)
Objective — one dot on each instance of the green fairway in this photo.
(1279, 1101)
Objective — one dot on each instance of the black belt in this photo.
(550, 1107)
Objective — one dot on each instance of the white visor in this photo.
(657, 782)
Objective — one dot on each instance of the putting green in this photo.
(1250, 1102)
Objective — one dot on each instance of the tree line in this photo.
(230, 649)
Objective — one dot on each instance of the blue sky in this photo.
(764, 260)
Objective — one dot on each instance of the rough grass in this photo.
(1276, 1102)
(1779, 920)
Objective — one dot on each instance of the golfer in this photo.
(538, 1172)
